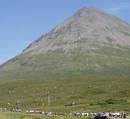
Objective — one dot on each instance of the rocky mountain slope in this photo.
(90, 43)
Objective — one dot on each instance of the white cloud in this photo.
(118, 9)
(27, 42)
(114, 10)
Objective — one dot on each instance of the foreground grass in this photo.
(90, 94)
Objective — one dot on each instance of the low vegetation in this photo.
(89, 94)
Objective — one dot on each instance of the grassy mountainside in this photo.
(80, 63)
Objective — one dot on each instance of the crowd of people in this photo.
(97, 115)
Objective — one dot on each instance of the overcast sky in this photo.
(23, 21)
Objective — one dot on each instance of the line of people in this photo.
(84, 114)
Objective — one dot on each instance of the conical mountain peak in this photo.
(88, 25)
(90, 41)
(88, 10)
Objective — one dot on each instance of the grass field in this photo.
(89, 94)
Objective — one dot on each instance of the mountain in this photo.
(90, 43)
(85, 59)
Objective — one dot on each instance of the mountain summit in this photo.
(91, 42)
(87, 27)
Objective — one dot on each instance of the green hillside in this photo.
(90, 94)
(81, 63)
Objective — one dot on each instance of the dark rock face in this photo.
(100, 117)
